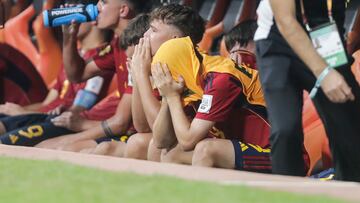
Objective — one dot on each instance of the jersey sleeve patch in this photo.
(206, 103)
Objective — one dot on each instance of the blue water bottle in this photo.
(64, 16)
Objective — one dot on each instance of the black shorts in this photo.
(249, 157)
(123, 138)
(14, 122)
(33, 134)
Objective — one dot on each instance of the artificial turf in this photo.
(33, 181)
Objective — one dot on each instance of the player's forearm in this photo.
(33, 107)
(150, 103)
(139, 119)
(92, 133)
(295, 35)
(74, 65)
(163, 130)
(182, 125)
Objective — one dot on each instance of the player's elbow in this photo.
(187, 144)
(286, 24)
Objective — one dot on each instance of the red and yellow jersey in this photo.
(184, 59)
(230, 95)
(114, 60)
(103, 110)
(67, 90)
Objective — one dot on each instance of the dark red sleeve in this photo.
(105, 62)
(220, 94)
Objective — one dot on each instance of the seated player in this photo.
(114, 145)
(227, 92)
(239, 42)
(114, 15)
(19, 129)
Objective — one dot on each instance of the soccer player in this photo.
(115, 15)
(61, 97)
(227, 91)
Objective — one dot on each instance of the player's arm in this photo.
(187, 133)
(13, 109)
(77, 70)
(163, 131)
(334, 85)
(117, 124)
(138, 115)
(141, 65)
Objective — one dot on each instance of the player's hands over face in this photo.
(11, 109)
(141, 59)
(336, 88)
(164, 82)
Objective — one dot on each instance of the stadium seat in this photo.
(18, 75)
(16, 34)
(315, 140)
(49, 50)
(238, 11)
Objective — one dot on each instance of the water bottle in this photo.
(87, 97)
(64, 16)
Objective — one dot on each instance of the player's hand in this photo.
(11, 109)
(57, 111)
(336, 88)
(141, 59)
(69, 120)
(70, 31)
(164, 82)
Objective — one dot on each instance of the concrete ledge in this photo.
(343, 190)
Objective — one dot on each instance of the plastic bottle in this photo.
(64, 16)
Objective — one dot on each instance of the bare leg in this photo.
(78, 146)
(153, 152)
(137, 146)
(2, 128)
(112, 148)
(176, 155)
(214, 153)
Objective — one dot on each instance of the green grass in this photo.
(53, 181)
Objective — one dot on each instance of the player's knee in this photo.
(136, 147)
(102, 148)
(204, 154)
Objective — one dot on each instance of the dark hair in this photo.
(134, 31)
(243, 33)
(139, 6)
(187, 20)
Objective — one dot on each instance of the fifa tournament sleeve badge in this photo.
(206, 104)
